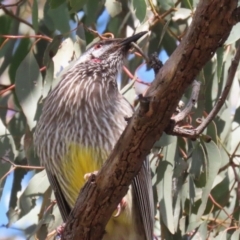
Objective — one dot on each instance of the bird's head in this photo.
(109, 51)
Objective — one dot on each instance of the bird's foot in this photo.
(60, 230)
(88, 175)
(121, 206)
(155, 63)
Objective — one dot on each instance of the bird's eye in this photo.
(98, 46)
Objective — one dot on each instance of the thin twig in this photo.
(102, 37)
(9, 13)
(4, 42)
(7, 89)
(130, 75)
(219, 206)
(193, 133)
(29, 36)
(153, 8)
(139, 50)
(21, 166)
(11, 5)
(192, 101)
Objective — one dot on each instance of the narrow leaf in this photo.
(220, 53)
(77, 5)
(28, 85)
(56, 3)
(213, 164)
(35, 15)
(141, 9)
(164, 187)
(113, 7)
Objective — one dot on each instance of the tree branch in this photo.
(192, 101)
(193, 133)
(99, 197)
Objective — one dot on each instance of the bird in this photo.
(82, 118)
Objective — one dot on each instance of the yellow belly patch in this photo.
(76, 163)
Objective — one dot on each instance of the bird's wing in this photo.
(63, 206)
(142, 190)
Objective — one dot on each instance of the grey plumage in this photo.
(86, 109)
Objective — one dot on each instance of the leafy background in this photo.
(196, 183)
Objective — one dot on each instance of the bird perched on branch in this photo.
(82, 119)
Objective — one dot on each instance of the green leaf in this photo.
(18, 176)
(77, 5)
(130, 95)
(113, 25)
(226, 123)
(164, 31)
(35, 15)
(52, 49)
(165, 5)
(65, 55)
(181, 13)
(56, 3)
(92, 10)
(218, 193)
(80, 44)
(126, 88)
(203, 230)
(4, 101)
(113, 7)
(5, 23)
(7, 150)
(165, 140)
(220, 53)
(59, 17)
(164, 187)
(37, 186)
(48, 80)
(236, 235)
(17, 127)
(47, 19)
(197, 162)
(212, 131)
(234, 35)
(28, 87)
(141, 9)
(20, 53)
(213, 164)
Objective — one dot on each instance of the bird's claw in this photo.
(155, 63)
(88, 175)
(60, 229)
(121, 206)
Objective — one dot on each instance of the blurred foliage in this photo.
(196, 184)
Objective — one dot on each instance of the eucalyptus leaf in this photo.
(140, 8)
(164, 187)
(60, 18)
(92, 10)
(234, 35)
(56, 3)
(7, 152)
(52, 49)
(220, 53)
(77, 5)
(28, 85)
(181, 13)
(21, 51)
(214, 163)
(113, 7)
(35, 15)
(36, 188)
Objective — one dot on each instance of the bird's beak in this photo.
(127, 41)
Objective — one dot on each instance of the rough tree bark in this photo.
(211, 25)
